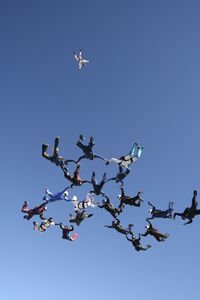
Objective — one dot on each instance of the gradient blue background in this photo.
(142, 85)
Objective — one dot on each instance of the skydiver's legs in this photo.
(140, 149)
(29, 216)
(164, 235)
(170, 210)
(72, 219)
(137, 204)
(44, 151)
(93, 181)
(194, 201)
(25, 207)
(91, 144)
(145, 248)
(133, 149)
(103, 180)
(80, 54)
(80, 144)
(35, 226)
(85, 61)
(55, 149)
(76, 173)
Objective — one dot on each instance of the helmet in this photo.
(150, 211)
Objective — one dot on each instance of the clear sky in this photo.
(142, 85)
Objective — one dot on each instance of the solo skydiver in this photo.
(160, 237)
(130, 158)
(119, 228)
(55, 158)
(66, 232)
(87, 149)
(136, 242)
(190, 212)
(120, 176)
(107, 205)
(157, 213)
(129, 200)
(46, 223)
(81, 62)
(88, 202)
(76, 179)
(98, 187)
(38, 210)
(80, 216)
(50, 197)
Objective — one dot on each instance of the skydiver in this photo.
(46, 223)
(75, 180)
(49, 197)
(160, 237)
(157, 213)
(65, 232)
(55, 158)
(120, 175)
(119, 228)
(88, 202)
(80, 216)
(136, 242)
(190, 212)
(107, 205)
(130, 158)
(87, 150)
(81, 62)
(98, 187)
(38, 210)
(129, 200)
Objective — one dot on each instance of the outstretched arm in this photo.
(113, 178)
(101, 206)
(108, 226)
(144, 234)
(149, 223)
(151, 205)
(97, 156)
(43, 204)
(122, 191)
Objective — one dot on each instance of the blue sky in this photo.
(142, 85)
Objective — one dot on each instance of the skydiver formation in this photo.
(80, 207)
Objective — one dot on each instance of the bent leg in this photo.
(133, 149)
(44, 153)
(55, 149)
(140, 149)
